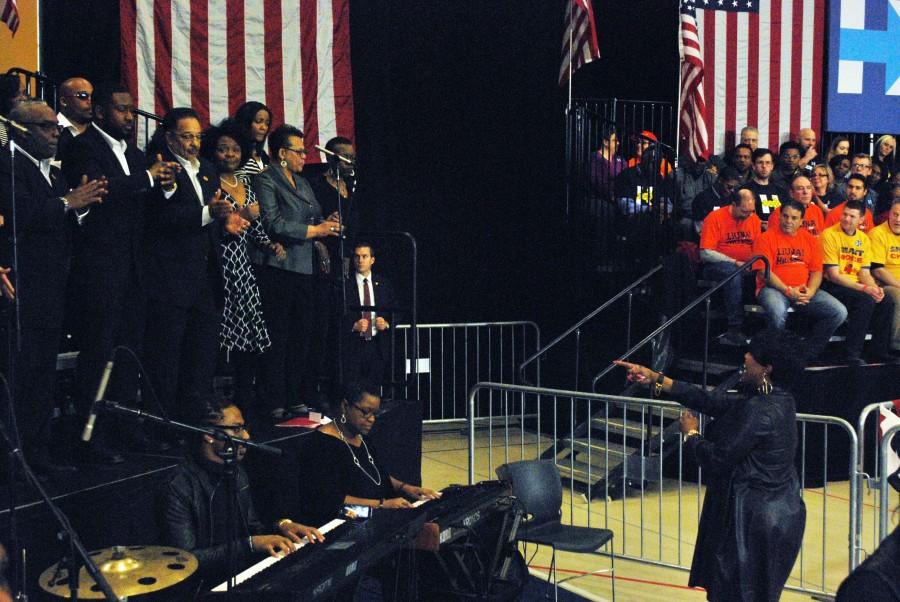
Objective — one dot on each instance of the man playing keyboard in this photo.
(194, 504)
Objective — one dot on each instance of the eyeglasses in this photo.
(47, 126)
(366, 414)
(79, 95)
(819, 175)
(236, 429)
(300, 151)
(186, 137)
(860, 166)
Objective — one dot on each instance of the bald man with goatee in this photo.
(75, 111)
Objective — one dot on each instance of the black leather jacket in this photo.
(193, 508)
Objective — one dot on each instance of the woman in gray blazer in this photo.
(292, 216)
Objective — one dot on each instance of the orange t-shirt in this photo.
(813, 219)
(722, 233)
(834, 216)
(791, 258)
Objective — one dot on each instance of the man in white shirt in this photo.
(75, 112)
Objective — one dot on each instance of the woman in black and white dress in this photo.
(243, 335)
(253, 121)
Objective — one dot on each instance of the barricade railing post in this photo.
(884, 486)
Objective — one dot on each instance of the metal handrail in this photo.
(883, 477)
(622, 127)
(748, 265)
(581, 323)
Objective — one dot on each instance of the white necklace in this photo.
(356, 460)
(232, 185)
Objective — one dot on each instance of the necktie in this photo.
(370, 316)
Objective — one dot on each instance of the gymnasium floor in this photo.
(663, 508)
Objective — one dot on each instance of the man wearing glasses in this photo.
(75, 113)
(44, 208)
(195, 501)
(861, 164)
(184, 226)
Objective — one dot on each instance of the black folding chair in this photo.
(536, 483)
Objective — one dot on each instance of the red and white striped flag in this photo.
(213, 55)
(693, 103)
(9, 14)
(579, 45)
(763, 66)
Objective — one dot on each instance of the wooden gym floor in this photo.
(664, 510)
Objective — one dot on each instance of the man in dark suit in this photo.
(75, 113)
(43, 209)
(107, 291)
(365, 342)
(184, 272)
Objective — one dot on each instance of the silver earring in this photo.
(283, 163)
(343, 419)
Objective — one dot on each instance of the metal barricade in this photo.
(659, 488)
(884, 491)
(871, 474)
(453, 357)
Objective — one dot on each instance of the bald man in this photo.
(809, 157)
(74, 111)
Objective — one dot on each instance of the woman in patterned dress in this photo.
(243, 335)
(254, 120)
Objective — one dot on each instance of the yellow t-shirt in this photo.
(849, 253)
(886, 248)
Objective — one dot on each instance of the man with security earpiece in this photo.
(194, 503)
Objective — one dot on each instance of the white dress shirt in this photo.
(192, 169)
(360, 290)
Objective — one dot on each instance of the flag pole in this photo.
(571, 31)
(568, 112)
(678, 92)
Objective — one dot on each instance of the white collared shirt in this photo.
(118, 148)
(65, 123)
(43, 165)
(360, 290)
(192, 169)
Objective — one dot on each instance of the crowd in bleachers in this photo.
(839, 263)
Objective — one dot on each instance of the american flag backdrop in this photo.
(213, 55)
(763, 66)
(9, 14)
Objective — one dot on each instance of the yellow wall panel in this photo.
(21, 50)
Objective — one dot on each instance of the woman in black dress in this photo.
(753, 516)
(342, 469)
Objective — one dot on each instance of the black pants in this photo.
(34, 374)
(180, 345)
(286, 370)
(364, 359)
(107, 317)
(863, 315)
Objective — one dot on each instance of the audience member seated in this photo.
(840, 167)
(809, 156)
(606, 164)
(768, 195)
(788, 162)
(714, 197)
(840, 145)
(886, 264)
(825, 194)
(750, 137)
(854, 190)
(861, 164)
(847, 258)
(692, 177)
(194, 503)
(795, 276)
(726, 243)
(641, 188)
(885, 153)
(742, 160)
(801, 190)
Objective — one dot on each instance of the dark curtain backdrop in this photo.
(460, 131)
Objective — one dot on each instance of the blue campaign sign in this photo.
(864, 66)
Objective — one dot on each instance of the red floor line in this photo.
(620, 578)
(845, 499)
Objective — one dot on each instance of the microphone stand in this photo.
(13, 348)
(231, 467)
(78, 555)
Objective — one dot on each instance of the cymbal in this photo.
(130, 570)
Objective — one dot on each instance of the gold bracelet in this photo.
(283, 522)
(690, 433)
(657, 388)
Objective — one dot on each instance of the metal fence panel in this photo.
(659, 493)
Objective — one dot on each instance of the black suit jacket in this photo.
(44, 238)
(180, 250)
(384, 297)
(108, 243)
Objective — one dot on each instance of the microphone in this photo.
(98, 399)
(335, 155)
